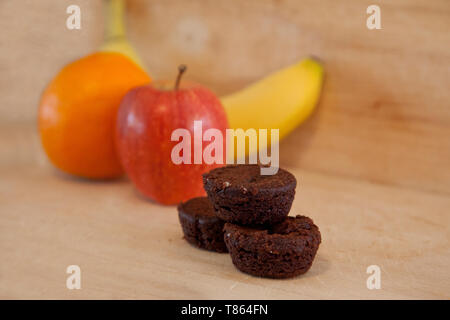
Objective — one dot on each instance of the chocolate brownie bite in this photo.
(200, 225)
(240, 194)
(285, 250)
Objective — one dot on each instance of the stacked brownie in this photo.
(246, 214)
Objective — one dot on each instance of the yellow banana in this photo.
(282, 100)
(115, 36)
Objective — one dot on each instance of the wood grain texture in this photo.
(372, 162)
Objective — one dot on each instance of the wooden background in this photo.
(373, 161)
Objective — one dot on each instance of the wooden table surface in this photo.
(129, 247)
(372, 162)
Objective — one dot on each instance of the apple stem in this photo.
(181, 69)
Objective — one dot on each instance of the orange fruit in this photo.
(77, 113)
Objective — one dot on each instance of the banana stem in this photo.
(114, 17)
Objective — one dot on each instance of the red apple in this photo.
(146, 119)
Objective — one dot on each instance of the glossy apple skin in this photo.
(146, 119)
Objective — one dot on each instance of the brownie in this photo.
(285, 250)
(240, 194)
(200, 225)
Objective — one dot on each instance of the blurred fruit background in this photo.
(374, 153)
(384, 115)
